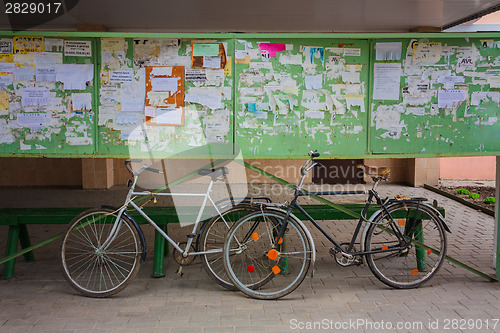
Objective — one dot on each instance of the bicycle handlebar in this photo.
(312, 154)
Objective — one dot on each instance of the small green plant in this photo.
(474, 195)
(463, 191)
(489, 200)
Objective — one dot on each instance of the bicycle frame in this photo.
(128, 201)
(372, 194)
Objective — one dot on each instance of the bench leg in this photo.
(12, 239)
(159, 252)
(24, 240)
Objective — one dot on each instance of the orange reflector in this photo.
(272, 254)
(276, 270)
(414, 272)
(401, 222)
(429, 251)
(255, 236)
(385, 247)
(280, 240)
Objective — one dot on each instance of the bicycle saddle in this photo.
(381, 172)
(213, 172)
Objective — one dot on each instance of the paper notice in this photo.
(451, 98)
(73, 48)
(35, 96)
(132, 104)
(121, 76)
(314, 81)
(24, 73)
(272, 48)
(4, 100)
(164, 83)
(386, 81)
(6, 46)
(388, 51)
(168, 116)
(350, 52)
(31, 119)
(81, 101)
(195, 75)
(75, 76)
(449, 81)
(203, 50)
(211, 62)
(54, 45)
(212, 101)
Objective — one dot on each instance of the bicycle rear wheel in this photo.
(259, 264)
(407, 264)
(99, 272)
(212, 239)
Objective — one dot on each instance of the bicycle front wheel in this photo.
(212, 242)
(259, 264)
(411, 260)
(96, 271)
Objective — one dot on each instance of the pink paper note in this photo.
(272, 48)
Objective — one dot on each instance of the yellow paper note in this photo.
(228, 69)
(6, 58)
(4, 100)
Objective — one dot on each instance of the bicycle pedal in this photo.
(179, 271)
(333, 251)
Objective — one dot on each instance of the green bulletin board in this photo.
(123, 128)
(448, 100)
(273, 95)
(293, 95)
(40, 115)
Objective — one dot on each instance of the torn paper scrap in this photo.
(451, 98)
(75, 76)
(81, 101)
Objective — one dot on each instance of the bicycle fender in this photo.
(439, 216)
(378, 212)
(365, 229)
(139, 231)
(308, 234)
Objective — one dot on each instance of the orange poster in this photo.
(165, 95)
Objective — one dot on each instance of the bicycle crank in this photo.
(343, 258)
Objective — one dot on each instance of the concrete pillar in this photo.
(423, 171)
(496, 254)
(97, 173)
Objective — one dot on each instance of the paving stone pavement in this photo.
(337, 299)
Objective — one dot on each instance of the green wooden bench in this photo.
(18, 219)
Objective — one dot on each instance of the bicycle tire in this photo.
(212, 237)
(416, 264)
(251, 267)
(101, 274)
